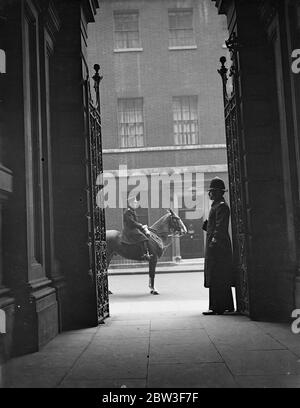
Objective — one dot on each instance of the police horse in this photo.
(161, 234)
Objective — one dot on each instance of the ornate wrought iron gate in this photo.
(235, 169)
(96, 212)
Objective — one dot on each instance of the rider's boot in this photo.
(147, 256)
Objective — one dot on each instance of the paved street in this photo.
(163, 341)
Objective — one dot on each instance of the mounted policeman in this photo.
(134, 232)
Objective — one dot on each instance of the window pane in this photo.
(131, 122)
(126, 30)
(181, 31)
(185, 116)
(126, 22)
(186, 20)
(172, 20)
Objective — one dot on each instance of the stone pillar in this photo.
(48, 33)
(68, 70)
(6, 179)
(26, 220)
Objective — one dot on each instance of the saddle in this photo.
(157, 241)
(130, 238)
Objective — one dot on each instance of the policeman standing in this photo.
(218, 269)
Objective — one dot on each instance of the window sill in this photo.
(129, 149)
(183, 47)
(116, 50)
(164, 148)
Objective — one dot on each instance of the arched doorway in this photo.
(261, 123)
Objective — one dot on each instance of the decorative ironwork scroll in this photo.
(96, 214)
(235, 169)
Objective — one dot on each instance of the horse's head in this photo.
(169, 225)
(176, 225)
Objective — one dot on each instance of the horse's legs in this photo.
(152, 266)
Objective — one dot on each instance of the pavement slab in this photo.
(33, 377)
(263, 362)
(179, 323)
(243, 337)
(270, 381)
(183, 353)
(194, 337)
(103, 383)
(124, 367)
(123, 332)
(214, 375)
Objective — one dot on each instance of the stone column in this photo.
(6, 299)
(68, 71)
(36, 316)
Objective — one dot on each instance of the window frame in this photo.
(126, 146)
(127, 12)
(192, 44)
(196, 121)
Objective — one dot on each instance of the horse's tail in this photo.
(113, 239)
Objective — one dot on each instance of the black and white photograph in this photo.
(149, 197)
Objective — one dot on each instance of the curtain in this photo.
(131, 122)
(185, 115)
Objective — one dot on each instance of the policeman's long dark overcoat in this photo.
(133, 230)
(218, 269)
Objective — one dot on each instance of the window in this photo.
(185, 115)
(131, 122)
(181, 32)
(126, 30)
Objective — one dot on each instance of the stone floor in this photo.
(163, 341)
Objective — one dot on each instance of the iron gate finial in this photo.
(223, 73)
(97, 80)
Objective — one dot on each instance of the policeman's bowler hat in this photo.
(217, 184)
